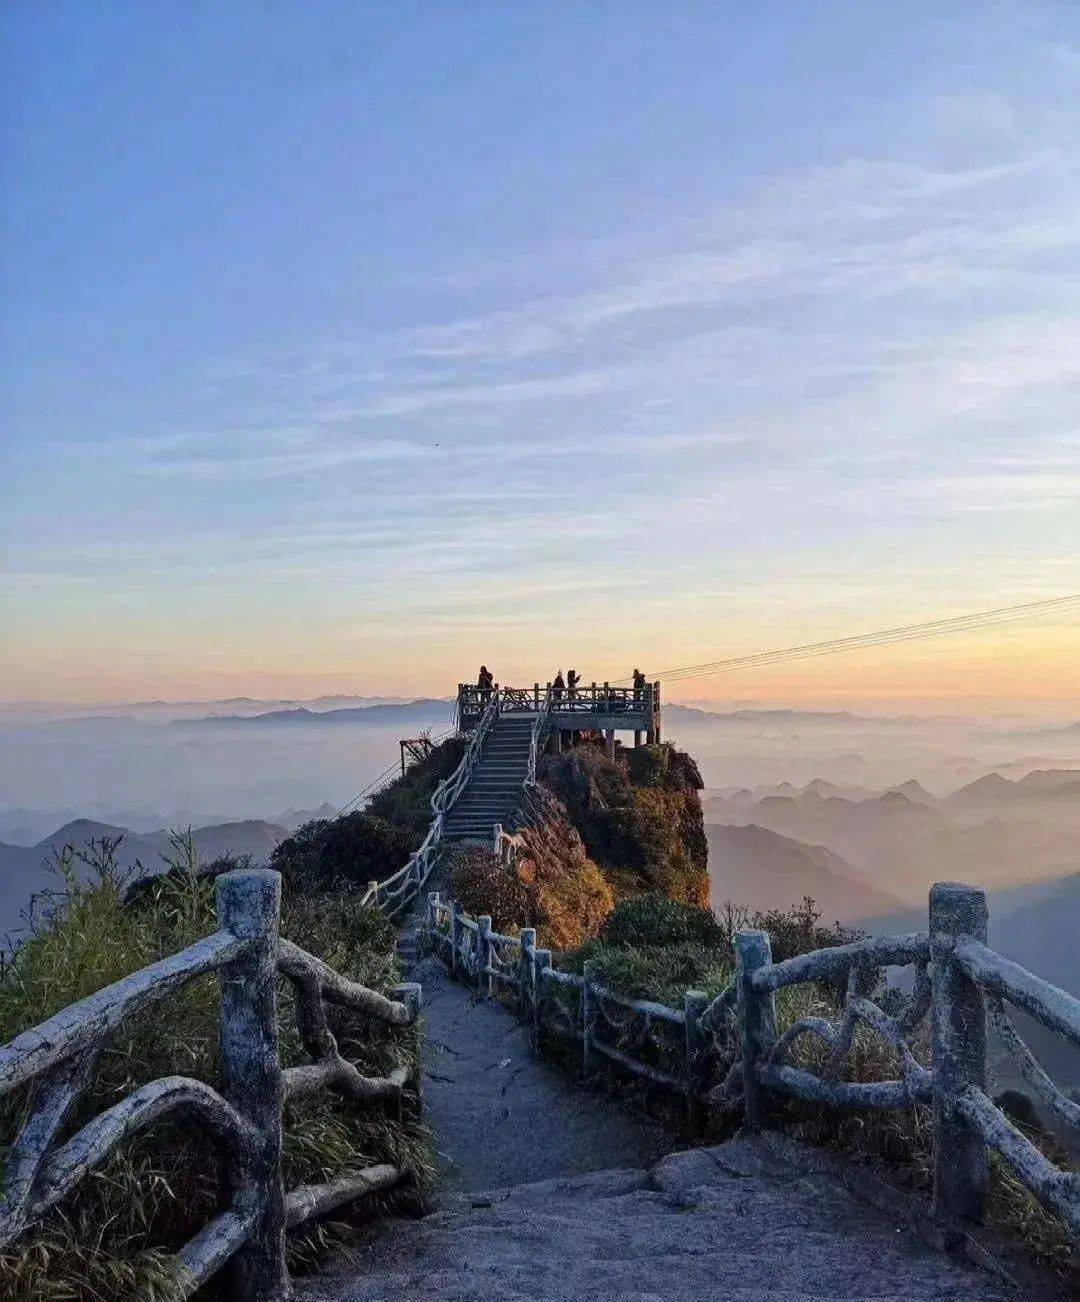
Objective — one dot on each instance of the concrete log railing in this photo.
(396, 892)
(243, 1113)
(958, 982)
(577, 1009)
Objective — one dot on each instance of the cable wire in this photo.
(883, 637)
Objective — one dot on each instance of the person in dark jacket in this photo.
(485, 681)
(558, 687)
(572, 680)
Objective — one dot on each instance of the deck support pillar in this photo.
(609, 742)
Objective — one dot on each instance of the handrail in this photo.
(959, 982)
(397, 891)
(244, 1116)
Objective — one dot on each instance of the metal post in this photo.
(588, 1020)
(249, 905)
(455, 937)
(483, 954)
(526, 972)
(757, 1020)
(697, 1062)
(959, 1051)
(543, 962)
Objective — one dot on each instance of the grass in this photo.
(113, 1235)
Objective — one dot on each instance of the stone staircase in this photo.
(495, 787)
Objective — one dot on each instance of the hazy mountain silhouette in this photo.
(754, 866)
(25, 870)
(423, 711)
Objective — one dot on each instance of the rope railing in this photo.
(728, 1052)
(243, 1112)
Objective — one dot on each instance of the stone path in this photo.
(501, 1116)
(732, 1222)
(549, 1193)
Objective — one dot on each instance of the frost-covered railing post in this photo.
(527, 972)
(588, 1019)
(541, 964)
(249, 906)
(757, 1020)
(959, 1051)
(483, 954)
(455, 937)
(697, 1060)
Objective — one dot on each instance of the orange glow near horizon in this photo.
(992, 669)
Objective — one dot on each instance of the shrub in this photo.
(112, 1236)
(653, 919)
(406, 802)
(553, 886)
(342, 854)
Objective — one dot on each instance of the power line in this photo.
(883, 637)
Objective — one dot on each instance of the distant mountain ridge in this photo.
(24, 870)
(759, 868)
(426, 710)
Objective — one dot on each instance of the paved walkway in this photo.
(731, 1223)
(503, 1117)
(550, 1193)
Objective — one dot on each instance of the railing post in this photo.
(588, 1019)
(483, 954)
(959, 1051)
(697, 1060)
(431, 923)
(249, 905)
(411, 994)
(541, 965)
(526, 972)
(455, 937)
(757, 1020)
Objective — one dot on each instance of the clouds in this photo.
(839, 343)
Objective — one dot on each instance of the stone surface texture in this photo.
(734, 1222)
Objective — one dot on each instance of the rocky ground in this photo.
(732, 1222)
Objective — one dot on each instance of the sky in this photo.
(345, 345)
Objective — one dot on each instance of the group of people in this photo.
(560, 687)
(565, 687)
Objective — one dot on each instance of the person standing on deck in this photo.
(572, 680)
(485, 680)
(558, 686)
(639, 685)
